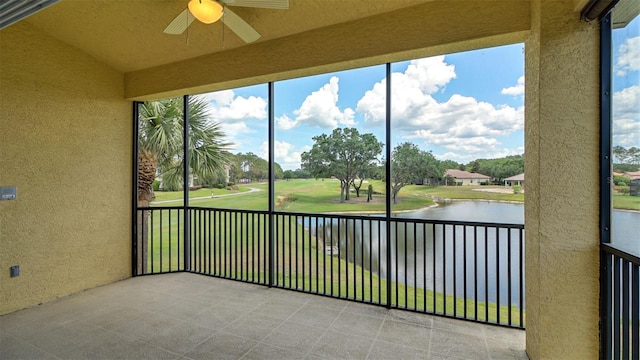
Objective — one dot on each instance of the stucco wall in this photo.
(65, 142)
(561, 216)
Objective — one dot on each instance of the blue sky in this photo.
(626, 85)
(461, 106)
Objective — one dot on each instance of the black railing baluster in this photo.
(424, 267)
(454, 275)
(406, 271)
(317, 254)
(464, 269)
(626, 270)
(370, 222)
(355, 261)
(379, 262)
(444, 269)
(475, 273)
(433, 261)
(339, 256)
(616, 306)
(635, 306)
(152, 240)
(396, 289)
(486, 273)
(210, 239)
(498, 274)
(509, 276)
(521, 283)
(415, 267)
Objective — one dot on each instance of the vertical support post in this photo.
(134, 190)
(605, 182)
(185, 183)
(271, 182)
(388, 181)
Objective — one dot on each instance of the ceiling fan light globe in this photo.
(207, 11)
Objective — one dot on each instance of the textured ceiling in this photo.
(127, 34)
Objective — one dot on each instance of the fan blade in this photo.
(239, 26)
(179, 24)
(264, 4)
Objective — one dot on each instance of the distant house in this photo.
(515, 180)
(461, 177)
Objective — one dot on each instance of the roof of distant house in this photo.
(461, 174)
(519, 177)
(633, 175)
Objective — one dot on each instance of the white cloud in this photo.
(232, 130)
(628, 56)
(285, 123)
(430, 74)
(461, 124)
(320, 109)
(226, 107)
(285, 154)
(626, 117)
(516, 90)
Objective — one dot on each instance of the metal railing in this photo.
(621, 318)
(467, 270)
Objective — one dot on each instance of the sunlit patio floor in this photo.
(189, 316)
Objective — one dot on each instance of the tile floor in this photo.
(189, 316)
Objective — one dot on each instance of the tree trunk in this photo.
(357, 188)
(346, 190)
(147, 166)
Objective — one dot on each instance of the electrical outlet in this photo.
(15, 271)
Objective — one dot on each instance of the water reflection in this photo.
(460, 260)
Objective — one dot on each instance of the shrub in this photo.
(621, 180)
(624, 190)
(220, 186)
(230, 183)
(517, 189)
(156, 185)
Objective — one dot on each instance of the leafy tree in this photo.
(634, 155)
(288, 175)
(450, 164)
(500, 168)
(621, 154)
(475, 166)
(160, 144)
(252, 167)
(302, 174)
(409, 164)
(344, 154)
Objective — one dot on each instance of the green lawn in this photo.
(626, 202)
(322, 196)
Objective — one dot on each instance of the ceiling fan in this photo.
(210, 11)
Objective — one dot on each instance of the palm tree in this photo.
(160, 144)
(160, 150)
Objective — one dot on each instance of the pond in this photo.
(482, 262)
